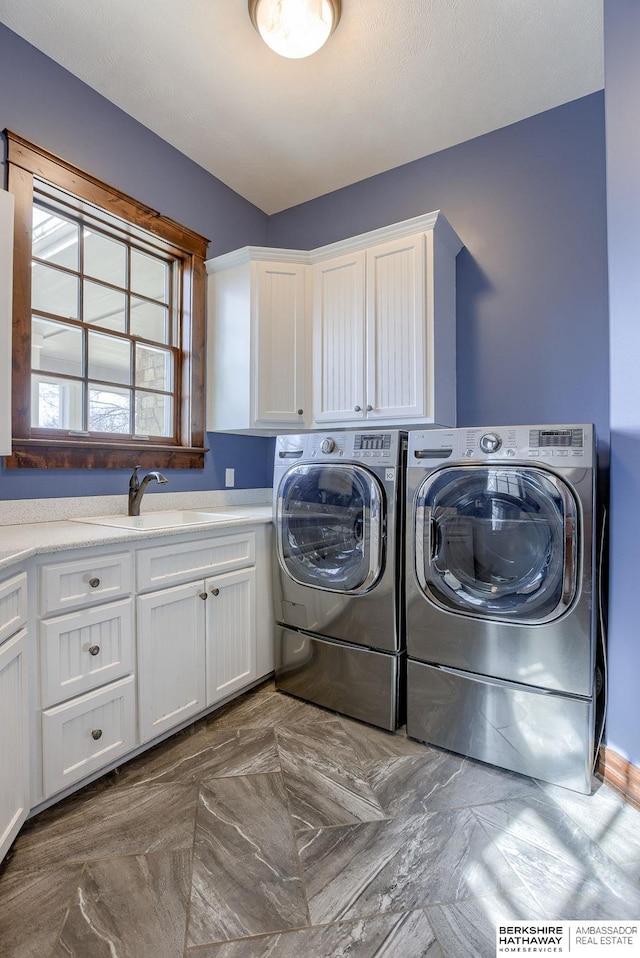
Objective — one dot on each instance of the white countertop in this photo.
(21, 542)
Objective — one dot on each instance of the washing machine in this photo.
(338, 516)
(500, 611)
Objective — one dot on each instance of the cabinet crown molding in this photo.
(426, 222)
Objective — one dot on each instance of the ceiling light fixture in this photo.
(295, 28)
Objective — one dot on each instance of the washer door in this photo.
(329, 527)
(497, 542)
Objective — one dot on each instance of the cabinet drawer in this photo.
(87, 733)
(13, 605)
(68, 585)
(172, 564)
(85, 649)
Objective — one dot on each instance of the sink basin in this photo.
(160, 520)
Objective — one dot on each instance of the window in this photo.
(109, 326)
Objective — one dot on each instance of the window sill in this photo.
(61, 454)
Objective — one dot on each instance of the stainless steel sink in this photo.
(160, 520)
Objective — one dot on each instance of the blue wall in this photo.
(528, 202)
(622, 71)
(46, 104)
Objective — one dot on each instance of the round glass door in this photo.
(329, 527)
(497, 542)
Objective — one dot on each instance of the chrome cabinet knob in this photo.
(369, 408)
(203, 595)
(357, 408)
(94, 649)
(96, 733)
(300, 412)
(94, 582)
(215, 592)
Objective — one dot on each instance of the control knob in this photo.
(328, 444)
(490, 442)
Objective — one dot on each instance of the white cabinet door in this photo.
(395, 330)
(231, 633)
(171, 657)
(280, 357)
(338, 339)
(14, 739)
(257, 377)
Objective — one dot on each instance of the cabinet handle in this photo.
(215, 592)
(94, 649)
(203, 595)
(94, 583)
(369, 408)
(96, 733)
(357, 408)
(300, 412)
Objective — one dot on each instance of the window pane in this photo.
(109, 358)
(104, 307)
(55, 403)
(149, 321)
(56, 347)
(154, 368)
(53, 291)
(105, 259)
(154, 414)
(109, 409)
(55, 238)
(149, 276)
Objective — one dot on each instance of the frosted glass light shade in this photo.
(295, 28)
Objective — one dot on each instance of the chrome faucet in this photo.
(137, 488)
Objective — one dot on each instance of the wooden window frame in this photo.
(26, 162)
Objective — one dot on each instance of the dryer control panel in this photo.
(556, 445)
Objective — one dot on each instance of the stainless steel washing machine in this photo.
(338, 510)
(500, 596)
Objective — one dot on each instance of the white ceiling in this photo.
(399, 79)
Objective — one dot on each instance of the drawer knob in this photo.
(215, 592)
(96, 733)
(203, 595)
(94, 583)
(94, 649)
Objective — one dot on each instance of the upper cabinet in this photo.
(382, 347)
(6, 310)
(384, 326)
(257, 349)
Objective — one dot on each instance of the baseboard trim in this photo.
(620, 774)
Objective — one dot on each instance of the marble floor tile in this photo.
(407, 935)
(133, 907)
(467, 929)
(33, 906)
(567, 874)
(209, 753)
(245, 875)
(438, 779)
(605, 817)
(373, 745)
(324, 780)
(116, 822)
(368, 869)
(268, 711)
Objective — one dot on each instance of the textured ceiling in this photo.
(399, 79)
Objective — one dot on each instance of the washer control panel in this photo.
(562, 445)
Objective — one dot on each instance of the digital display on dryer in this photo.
(558, 438)
(369, 440)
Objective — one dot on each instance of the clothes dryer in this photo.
(500, 596)
(338, 509)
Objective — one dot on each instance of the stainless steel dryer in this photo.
(338, 504)
(500, 596)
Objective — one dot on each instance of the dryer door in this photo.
(329, 527)
(497, 542)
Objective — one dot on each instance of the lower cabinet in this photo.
(88, 732)
(14, 738)
(171, 657)
(230, 633)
